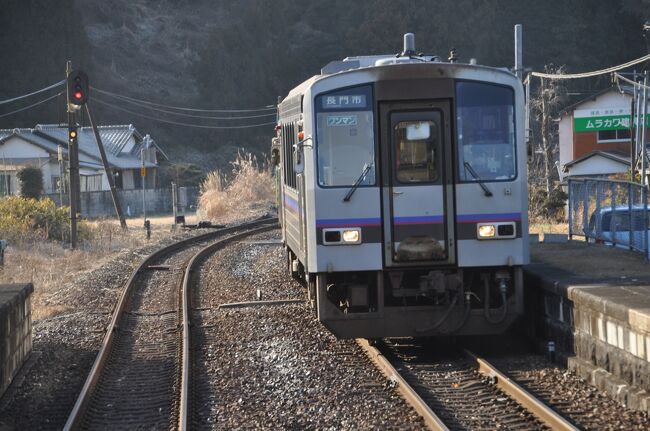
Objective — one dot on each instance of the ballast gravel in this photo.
(65, 345)
(276, 367)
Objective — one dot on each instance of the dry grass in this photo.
(546, 226)
(49, 265)
(249, 189)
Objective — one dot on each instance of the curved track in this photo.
(460, 392)
(137, 380)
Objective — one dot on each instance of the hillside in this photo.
(244, 54)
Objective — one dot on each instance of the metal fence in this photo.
(609, 211)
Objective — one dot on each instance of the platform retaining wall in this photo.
(15, 330)
(605, 343)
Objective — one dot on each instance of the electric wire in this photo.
(181, 114)
(266, 108)
(178, 123)
(2, 102)
(618, 77)
(31, 106)
(594, 73)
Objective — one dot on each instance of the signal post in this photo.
(77, 95)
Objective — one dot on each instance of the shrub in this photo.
(29, 219)
(250, 185)
(547, 206)
(31, 182)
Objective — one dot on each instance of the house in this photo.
(594, 135)
(46, 146)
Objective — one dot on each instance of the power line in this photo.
(31, 106)
(2, 102)
(110, 105)
(594, 73)
(629, 81)
(181, 114)
(266, 108)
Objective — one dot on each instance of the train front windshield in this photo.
(345, 138)
(486, 132)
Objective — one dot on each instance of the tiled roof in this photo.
(116, 140)
(616, 156)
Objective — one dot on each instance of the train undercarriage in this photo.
(415, 302)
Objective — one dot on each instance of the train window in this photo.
(288, 140)
(345, 138)
(486, 132)
(416, 143)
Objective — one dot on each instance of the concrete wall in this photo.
(600, 340)
(15, 330)
(158, 201)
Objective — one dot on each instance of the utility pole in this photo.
(519, 52)
(143, 176)
(107, 169)
(644, 131)
(73, 163)
(59, 157)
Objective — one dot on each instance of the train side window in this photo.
(288, 140)
(416, 146)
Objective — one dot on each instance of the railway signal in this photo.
(77, 88)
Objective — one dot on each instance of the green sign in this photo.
(606, 122)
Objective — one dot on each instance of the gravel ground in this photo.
(574, 398)
(68, 343)
(276, 366)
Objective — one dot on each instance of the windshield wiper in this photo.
(478, 180)
(355, 186)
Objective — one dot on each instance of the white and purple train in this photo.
(403, 195)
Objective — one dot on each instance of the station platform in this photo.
(15, 330)
(593, 302)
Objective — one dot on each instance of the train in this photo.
(402, 195)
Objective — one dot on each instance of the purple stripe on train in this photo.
(479, 218)
(349, 222)
(403, 221)
(291, 204)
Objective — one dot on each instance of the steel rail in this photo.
(102, 356)
(431, 420)
(543, 412)
(186, 359)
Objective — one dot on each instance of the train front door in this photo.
(416, 183)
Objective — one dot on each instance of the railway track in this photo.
(460, 391)
(141, 376)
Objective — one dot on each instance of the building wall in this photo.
(16, 147)
(585, 143)
(577, 144)
(597, 165)
(127, 179)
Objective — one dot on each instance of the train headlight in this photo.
(352, 236)
(486, 231)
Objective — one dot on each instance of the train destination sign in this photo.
(594, 120)
(354, 101)
(342, 120)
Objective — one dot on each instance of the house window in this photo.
(57, 184)
(5, 184)
(613, 135)
(90, 183)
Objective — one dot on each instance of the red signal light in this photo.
(78, 95)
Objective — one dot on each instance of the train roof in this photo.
(370, 62)
(354, 67)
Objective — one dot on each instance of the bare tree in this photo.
(545, 106)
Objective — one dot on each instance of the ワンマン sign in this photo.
(594, 120)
